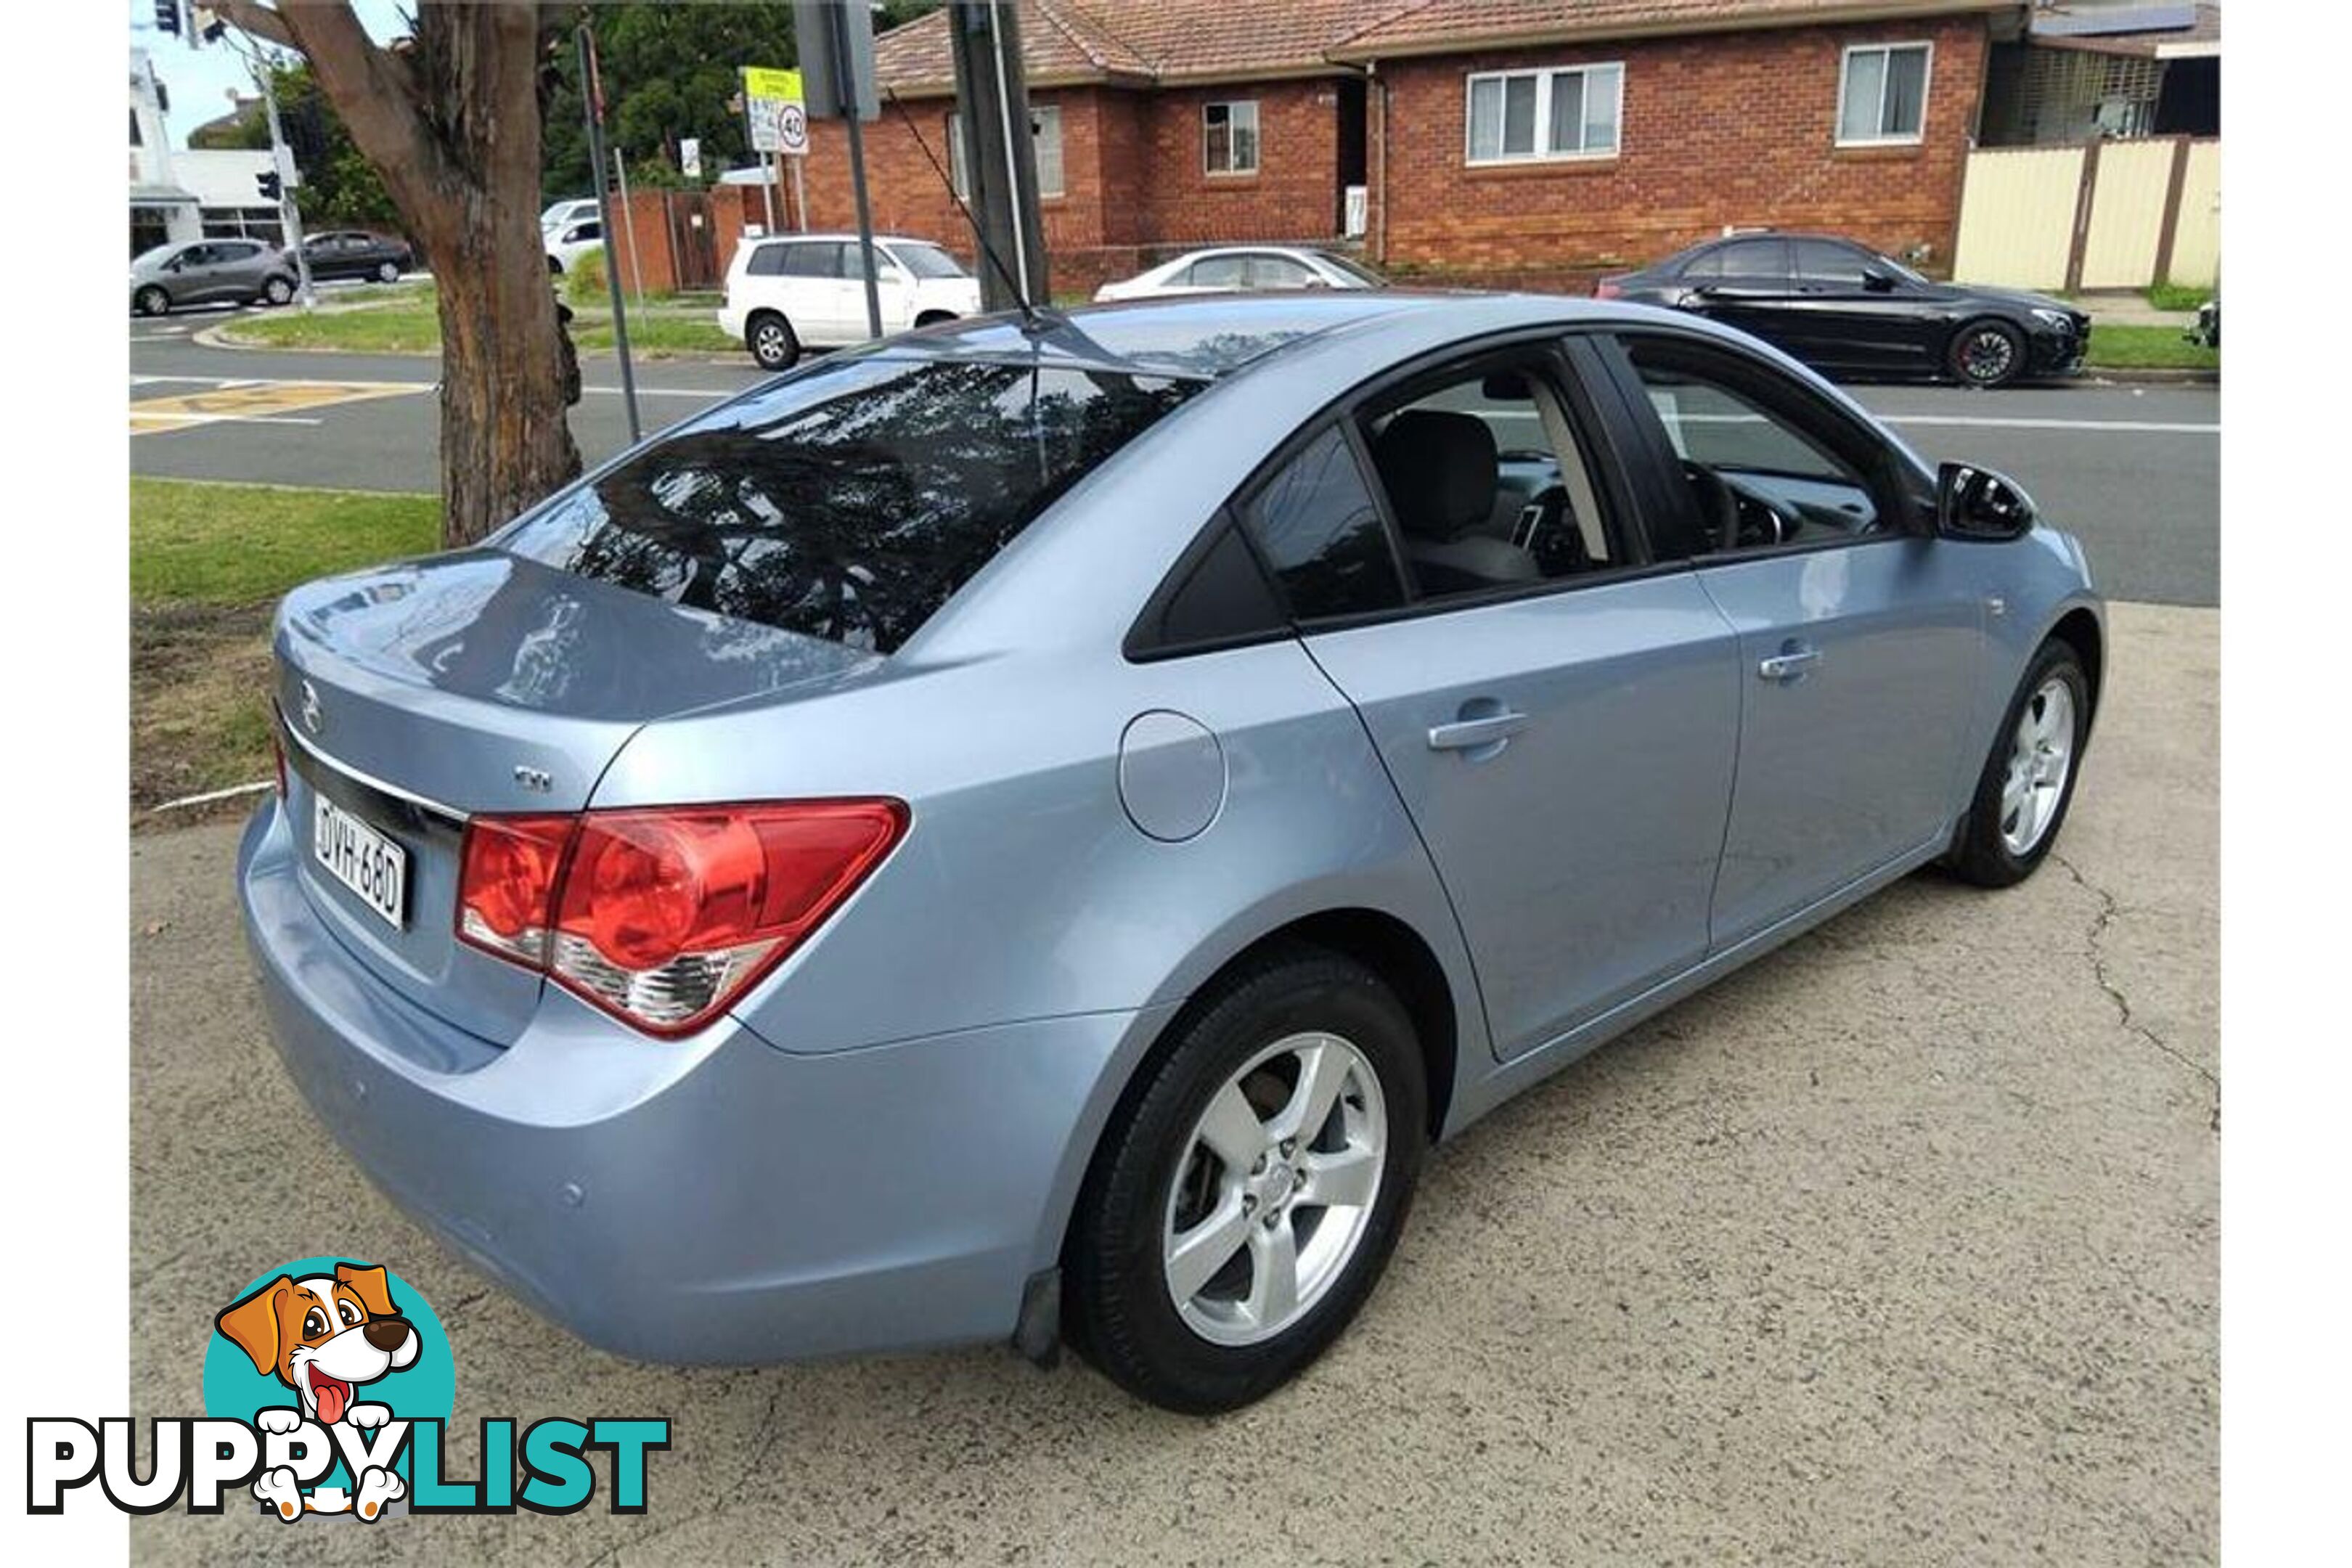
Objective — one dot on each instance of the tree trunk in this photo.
(451, 121)
(504, 441)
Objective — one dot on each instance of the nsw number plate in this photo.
(361, 859)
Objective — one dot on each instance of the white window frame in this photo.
(960, 178)
(1926, 46)
(1543, 153)
(1257, 139)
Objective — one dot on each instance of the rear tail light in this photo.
(664, 917)
(1607, 289)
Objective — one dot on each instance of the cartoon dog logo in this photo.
(324, 1336)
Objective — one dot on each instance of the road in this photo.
(2135, 471)
(1898, 1248)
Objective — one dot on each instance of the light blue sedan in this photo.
(1032, 830)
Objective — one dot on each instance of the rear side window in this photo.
(821, 259)
(767, 261)
(849, 503)
(1320, 530)
(1754, 258)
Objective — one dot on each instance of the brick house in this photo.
(1520, 143)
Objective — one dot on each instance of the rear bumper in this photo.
(716, 1199)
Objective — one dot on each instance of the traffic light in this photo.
(167, 16)
(268, 183)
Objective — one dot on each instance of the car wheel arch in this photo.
(2079, 628)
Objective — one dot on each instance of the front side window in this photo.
(1319, 528)
(1762, 475)
(1826, 261)
(1517, 116)
(1884, 93)
(1229, 137)
(851, 502)
(1267, 270)
(928, 261)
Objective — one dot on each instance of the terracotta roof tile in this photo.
(1065, 41)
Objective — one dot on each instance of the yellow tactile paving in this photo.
(259, 402)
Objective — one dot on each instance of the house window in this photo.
(1044, 139)
(1882, 94)
(1229, 137)
(1519, 115)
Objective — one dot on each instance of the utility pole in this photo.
(999, 155)
(836, 43)
(594, 105)
(290, 214)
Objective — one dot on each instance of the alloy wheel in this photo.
(1275, 1189)
(1988, 355)
(2041, 759)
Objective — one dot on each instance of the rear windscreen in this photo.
(851, 502)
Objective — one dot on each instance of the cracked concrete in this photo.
(1898, 1248)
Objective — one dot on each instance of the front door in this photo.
(1558, 715)
(1860, 636)
(1843, 319)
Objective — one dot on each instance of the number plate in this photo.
(361, 859)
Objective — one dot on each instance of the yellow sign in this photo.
(761, 82)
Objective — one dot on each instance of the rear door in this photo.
(1559, 722)
(1859, 634)
(814, 287)
(1746, 285)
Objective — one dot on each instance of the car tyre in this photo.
(152, 300)
(772, 341)
(387, 271)
(554, 264)
(1243, 1070)
(278, 290)
(1988, 353)
(2028, 781)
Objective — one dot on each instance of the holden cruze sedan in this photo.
(1033, 829)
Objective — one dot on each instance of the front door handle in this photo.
(1790, 664)
(1488, 729)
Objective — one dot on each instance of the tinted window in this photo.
(768, 260)
(1217, 272)
(1319, 528)
(928, 261)
(1216, 598)
(1754, 258)
(851, 502)
(1279, 272)
(1353, 269)
(821, 260)
(1706, 264)
(1826, 261)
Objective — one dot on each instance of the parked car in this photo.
(1844, 309)
(1230, 269)
(564, 213)
(809, 291)
(1034, 830)
(567, 245)
(354, 253)
(209, 272)
(2208, 330)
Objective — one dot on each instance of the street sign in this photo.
(771, 103)
(689, 157)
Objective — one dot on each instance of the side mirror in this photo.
(1875, 282)
(1979, 504)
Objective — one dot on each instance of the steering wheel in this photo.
(1717, 497)
(1553, 538)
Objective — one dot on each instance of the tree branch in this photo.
(261, 21)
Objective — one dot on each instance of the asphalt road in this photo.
(1898, 1248)
(2135, 471)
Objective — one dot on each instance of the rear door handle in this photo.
(1790, 664)
(1470, 734)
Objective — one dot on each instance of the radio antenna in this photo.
(1031, 317)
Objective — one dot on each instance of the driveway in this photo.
(1898, 1247)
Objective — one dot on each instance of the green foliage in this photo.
(2147, 348)
(2178, 296)
(585, 282)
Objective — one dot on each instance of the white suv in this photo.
(807, 289)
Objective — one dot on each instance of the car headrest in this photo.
(1439, 470)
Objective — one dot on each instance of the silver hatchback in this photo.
(1032, 830)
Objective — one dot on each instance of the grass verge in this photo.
(207, 564)
(2177, 296)
(408, 324)
(2147, 348)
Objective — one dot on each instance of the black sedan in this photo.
(1844, 309)
(354, 253)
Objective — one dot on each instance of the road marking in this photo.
(2147, 427)
(250, 403)
(398, 386)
